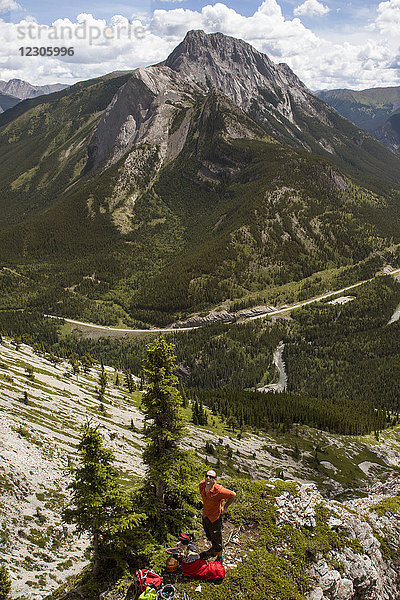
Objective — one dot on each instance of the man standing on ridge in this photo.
(213, 495)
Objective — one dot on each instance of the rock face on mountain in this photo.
(239, 71)
(139, 112)
(273, 95)
(23, 90)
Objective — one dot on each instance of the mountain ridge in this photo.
(373, 109)
(271, 94)
(22, 89)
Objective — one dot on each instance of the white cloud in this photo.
(7, 5)
(388, 20)
(100, 47)
(267, 29)
(103, 46)
(311, 8)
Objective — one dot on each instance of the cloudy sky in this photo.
(328, 43)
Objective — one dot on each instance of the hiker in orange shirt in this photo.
(213, 495)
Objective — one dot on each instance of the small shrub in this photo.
(387, 505)
(5, 583)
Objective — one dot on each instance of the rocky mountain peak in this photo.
(145, 110)
(229, 64)
(198, 45)
(143, 107)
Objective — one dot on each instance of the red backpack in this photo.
(146, 578)
(201, 569)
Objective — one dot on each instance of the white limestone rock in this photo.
(367, 572)
(315, 594)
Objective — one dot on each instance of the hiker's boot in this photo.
(207, 553)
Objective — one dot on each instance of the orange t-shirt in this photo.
(212, 503)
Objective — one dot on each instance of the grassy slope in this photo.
(43, 150)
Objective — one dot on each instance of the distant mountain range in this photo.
(376, 110)
(23, 90)
(15, 90)
(213, 176)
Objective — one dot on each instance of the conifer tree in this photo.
(73, 360)
(87, 363)
(98, 506)
(5, 583)
(195, 412)
(103, 380)
(169, 493)
(203, 419)
(129, 381)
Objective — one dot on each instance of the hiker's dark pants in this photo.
(213, 533)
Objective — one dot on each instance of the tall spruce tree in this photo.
(168, 490)
(99, 506)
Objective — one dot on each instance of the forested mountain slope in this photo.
(375, 110)
(145, 197)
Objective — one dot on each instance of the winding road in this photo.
(116, 332)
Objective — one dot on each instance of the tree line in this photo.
(264, 411)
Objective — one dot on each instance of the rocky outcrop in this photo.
(141, 110)
(223, 316)
(364, 566)
(349, 561)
